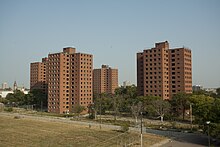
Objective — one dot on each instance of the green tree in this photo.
(102, 102)
(215, 111)
(131, 91)
(10, 97)
(206, 108)
(120, 91)
(155, 106)
(19, 96)
(28, 99)
(180, 103)
(202, 106)
(16, 98)
(92, 111)
(127, 97)
(218, 92)
(78, 109)
(3, 100)
(38, 98)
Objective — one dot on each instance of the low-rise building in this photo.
(197, 88)
(4, 93)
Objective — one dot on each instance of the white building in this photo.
(213, 90)
(4, 85)
(5, 90)
(4, 93)
(126, 83)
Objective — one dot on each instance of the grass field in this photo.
(38, 133)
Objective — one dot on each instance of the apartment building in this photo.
(162, 71)
(180, 70)
(105, 80)
(69, 78)
(38, 75)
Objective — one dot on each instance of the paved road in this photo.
(183, 139)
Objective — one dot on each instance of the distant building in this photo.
(163, 72)
(68, 79)
(15, 86)
(197, 88)
(105, 80)
(24, 90)
(213, 90)
(4, 93)
(4, 85)
(126, 83)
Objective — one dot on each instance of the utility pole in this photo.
(141, 132)
(191, 115)
(100, 111)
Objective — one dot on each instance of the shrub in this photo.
(17, 117)
(9, 109)
(215, 130)
(125, 127)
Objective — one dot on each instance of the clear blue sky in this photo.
(112, 30)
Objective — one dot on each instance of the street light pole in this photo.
(100, 111)
(191, 115)
(208, 122)
(209, 135)
(141, 132)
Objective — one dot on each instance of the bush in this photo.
(125, 127)
(215, 130)
(91, 116)
(17, 117)
(9, 109)
(68, 115)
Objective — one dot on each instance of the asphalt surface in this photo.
(183, 139)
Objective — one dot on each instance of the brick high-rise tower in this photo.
(105, 80)
(163, 72)
(38, 75)
(69, 78)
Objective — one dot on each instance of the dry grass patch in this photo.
(35, 133)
